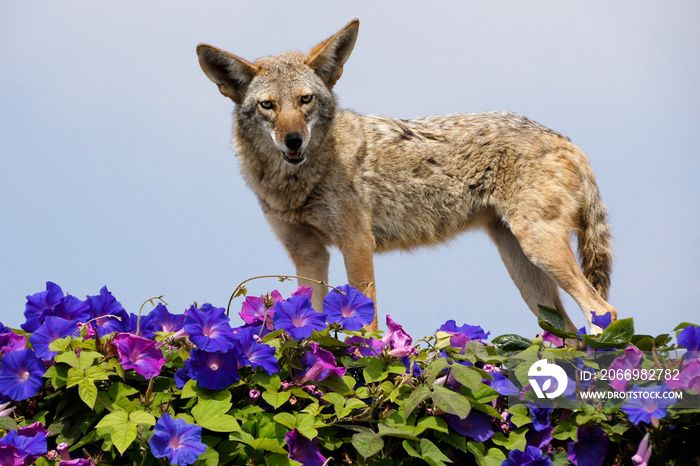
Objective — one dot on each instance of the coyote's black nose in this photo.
(293, 141)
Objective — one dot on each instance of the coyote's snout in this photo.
(364, 183)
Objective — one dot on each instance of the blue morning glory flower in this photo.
(109, 313)
(38, 303)
(689, 338)
(352, 310)
(209, 328)
(177, 440)
(52, 329)
(540, 418)
(254, 353)
(21, 374)
(590, 447)
(29, 442)
(298, 318)
(165, 321)
(213, 370)
(601, 320)
(477, 425)
(532, 456)
(647, 402)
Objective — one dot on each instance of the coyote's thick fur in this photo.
(367, 184)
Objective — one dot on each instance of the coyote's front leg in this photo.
(309, 254)
(357, 245)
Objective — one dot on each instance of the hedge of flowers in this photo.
(84, 382)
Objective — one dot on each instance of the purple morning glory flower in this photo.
(477, 425)
(110, 314)
(52, 329)
(539, 439)
(689, 338)
(590, 447)
(213, 370)
(556, 341)
(532, 456)
(319, 364)
(630, 361)
(10, 456)
(209, 328)
(38, 303)
(165, 321)
(10, 341)
(363, 347)
(255, 309)
(21, 374)
(643, 454)
(298, 318)
(29, 442)
(689, 378)
(463, 334)
(647, 402)
(254, 353)
(601, 320)
(181, 378)
(177, 440)
(303, 450)
(140, 354)
(352, 310)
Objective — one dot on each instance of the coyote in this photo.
(366, 183)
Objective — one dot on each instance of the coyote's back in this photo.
(326, 177)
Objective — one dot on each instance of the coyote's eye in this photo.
(267, 104)
(306, 99)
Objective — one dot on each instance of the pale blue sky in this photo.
(116, 167)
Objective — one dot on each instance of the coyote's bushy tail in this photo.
(594, 239)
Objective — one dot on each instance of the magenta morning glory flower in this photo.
(395, 336)
(165, 321)
(255, 309)
(689, 377)
(307, 291)
(646, 402)
(689, 338)
(320, 363)
(140, 354)
(214, 370)
(298, 318)
(303, 450)
(532, 456)
(590, 447)
(363, 347)
(352, 310)
(477, 425)
(38, 303)
(109, 313)
(254, 353)
(21, 374)
(630, 360)
(177, 440)
(208, 328)
(52, 329)
(10, 341)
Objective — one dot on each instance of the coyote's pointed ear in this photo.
(231, 73)
(328, 57)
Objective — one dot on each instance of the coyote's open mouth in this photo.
(294, 158)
